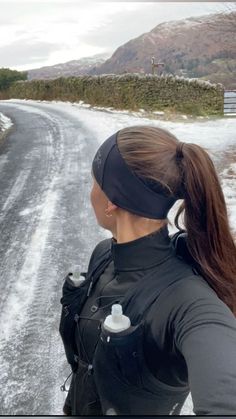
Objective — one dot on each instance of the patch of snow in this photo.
(29, 211)
(5, 122)
(228, 185)
(158, 113)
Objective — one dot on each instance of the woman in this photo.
(179, 292)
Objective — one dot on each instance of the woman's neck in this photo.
(130, 228)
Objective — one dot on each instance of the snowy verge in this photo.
(5, 123)
(141, 113)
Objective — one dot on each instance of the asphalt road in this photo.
(46, 226)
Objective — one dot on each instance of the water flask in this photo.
(116, 321)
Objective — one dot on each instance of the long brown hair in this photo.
(187, 171)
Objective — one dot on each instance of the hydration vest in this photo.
(124, 383)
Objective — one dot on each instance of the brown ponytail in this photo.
(187, 171)
(205, 217)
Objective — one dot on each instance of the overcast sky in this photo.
(38, 33)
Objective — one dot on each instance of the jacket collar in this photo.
(142, 253)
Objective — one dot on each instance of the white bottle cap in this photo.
(116, 311)
(77, 279)
(116, 321)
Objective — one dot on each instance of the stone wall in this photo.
(129, 91)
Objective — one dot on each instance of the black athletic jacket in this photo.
(186, 342)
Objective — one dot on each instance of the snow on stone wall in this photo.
(129, 91)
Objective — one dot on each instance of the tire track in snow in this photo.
(15, 311)
(3, 161)
(14, 193)
(11, 317)
(25, 197)
(25, 287)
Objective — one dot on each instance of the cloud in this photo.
(30, 52)
(129, 24)
(62, 26)
(38, 33)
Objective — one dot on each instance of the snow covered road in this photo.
(47, 225)
(44, 224)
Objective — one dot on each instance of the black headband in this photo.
(124, 188)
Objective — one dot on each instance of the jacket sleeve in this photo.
(205, 334)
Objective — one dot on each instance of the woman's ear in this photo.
(110, 210)
(111, 207)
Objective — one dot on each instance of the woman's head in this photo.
(174, 170)
(123, 224)
(124, 188)
(119, 196)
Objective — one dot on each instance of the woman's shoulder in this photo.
(187, 292)
(100, 250)
(187, 301)
(193, 287)
(194, 295)
(102, 246)
(188, 305)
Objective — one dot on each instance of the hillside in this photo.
(202, 47)
(71, 68)
(196, 47)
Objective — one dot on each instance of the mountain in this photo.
(203, 47)
(71, 68)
